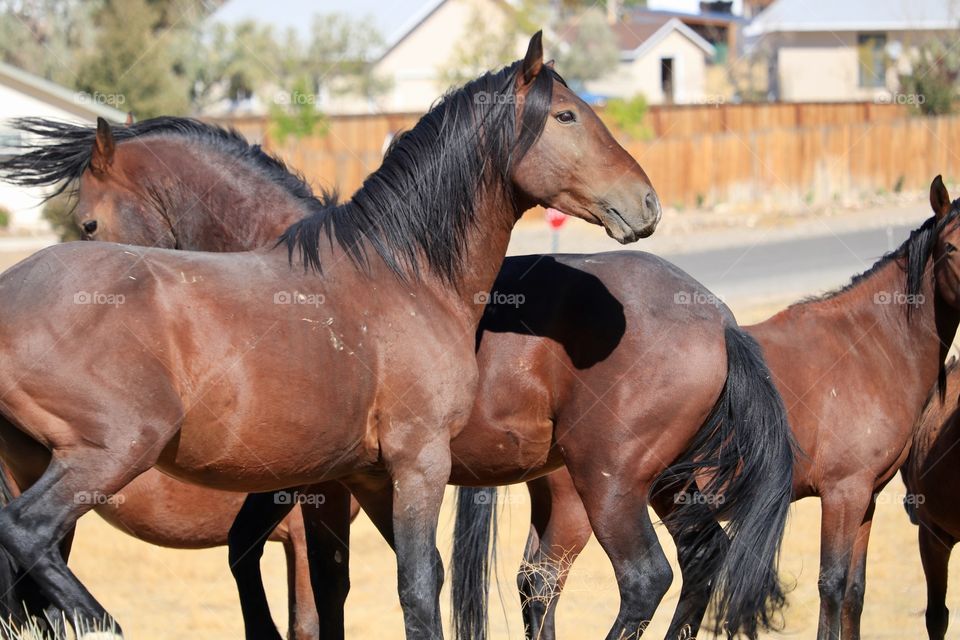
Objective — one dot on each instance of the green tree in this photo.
(44, 36)
(931, 86)
(134, 66)
(593, 51)
(489, 43)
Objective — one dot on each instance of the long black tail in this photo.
(747, 451)
(474, 550)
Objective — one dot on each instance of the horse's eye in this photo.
(949, 248)
(566, 117)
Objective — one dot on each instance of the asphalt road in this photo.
(790, 268)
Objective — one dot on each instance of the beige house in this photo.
(23, 94)
(828, 50)
(661, 57)
(414, 60)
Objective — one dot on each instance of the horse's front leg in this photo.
(856, 579)
(559, 530)
(419, 472)
(844, 510)
(935, 548)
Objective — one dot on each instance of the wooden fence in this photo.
(703, 154)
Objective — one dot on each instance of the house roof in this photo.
(855, 15)
(57, 95)
(638, 32)
(636, 36)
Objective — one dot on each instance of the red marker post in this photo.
(556, 219)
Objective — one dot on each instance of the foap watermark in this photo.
(897, 297)
(298, 297)
(496, 97)
(500, 298)
(98, 297)
(97, 498)
(904, 99)
(294, 98)
(697, 297)
(492, 496)
(116, 100)
(712, 100)
(688, 497)
(295, 497)
(896, 498)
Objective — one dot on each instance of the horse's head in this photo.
(575, 165)
(945, 255)
(113, 203)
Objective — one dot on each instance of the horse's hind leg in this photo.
(935, 548)
(302, 621)
(696, 550)
(559, 529)
(258, 517)
(326, 520)
(617, 509)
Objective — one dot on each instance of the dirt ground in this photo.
(161, 593)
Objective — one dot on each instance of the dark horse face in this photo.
(945, 254)
(599, 181)
(111, 203)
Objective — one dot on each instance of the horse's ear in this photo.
(533, 61)
(939, 198)
(103, 147)
(130, 118)
(550, 64)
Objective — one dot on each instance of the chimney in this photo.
(613, 11)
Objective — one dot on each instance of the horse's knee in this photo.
(853, 598)
(832, 585)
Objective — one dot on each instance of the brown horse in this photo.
(571, 275)
(217, 354)
(932, 476)
(854, 426)
(573, 280)
(201, 210)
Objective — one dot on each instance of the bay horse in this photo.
(202, 209)
(423, 235)
(933, 484)
(854, 426)
(541, 330)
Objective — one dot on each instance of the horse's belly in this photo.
(505, 451)
(271, 445)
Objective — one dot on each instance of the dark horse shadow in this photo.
(581, 315)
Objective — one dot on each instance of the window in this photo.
(666, 79)
(871, 51)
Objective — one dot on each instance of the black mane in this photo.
(913, 254)
(57, 153)
(416, 209)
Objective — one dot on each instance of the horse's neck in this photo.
(487, 242)
(878, 305)
(228, 206)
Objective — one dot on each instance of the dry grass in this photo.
(161, 593)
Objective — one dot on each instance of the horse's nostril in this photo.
(651, 201)
(90, 227)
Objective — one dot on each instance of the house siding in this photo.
(642, 75)
(825, 66)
